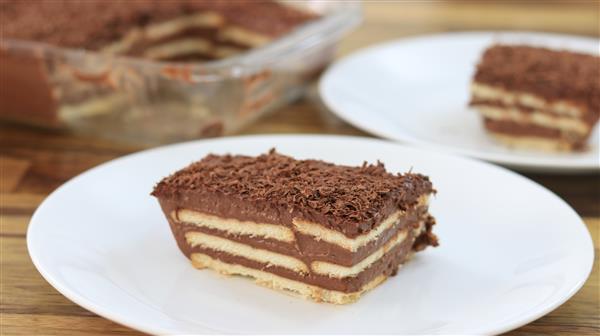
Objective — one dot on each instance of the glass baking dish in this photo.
(151, 102)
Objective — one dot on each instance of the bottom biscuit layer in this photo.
(269, 280)
(535, 143)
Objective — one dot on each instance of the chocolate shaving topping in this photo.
(92, 24)
(551, 74)
(351, 200)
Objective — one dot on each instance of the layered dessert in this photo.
(174, 30)
(318, 230)
(98, 93)
(537, 98)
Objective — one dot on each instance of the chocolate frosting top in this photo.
(348, 199)
(551, 74)
(92, 24)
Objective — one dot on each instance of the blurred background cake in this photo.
(150, 72)
(538, 98)
(175, 30)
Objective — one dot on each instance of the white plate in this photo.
(511, 251)
(416, 90)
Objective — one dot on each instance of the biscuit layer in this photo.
(289, 286)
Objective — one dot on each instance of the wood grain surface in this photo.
(34, 162)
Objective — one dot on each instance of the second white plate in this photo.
(417, 90)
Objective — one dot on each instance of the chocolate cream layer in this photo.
(520, 129)
(386, 265)
(303, 246)
(541, 122)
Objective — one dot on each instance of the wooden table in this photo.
(34, 162)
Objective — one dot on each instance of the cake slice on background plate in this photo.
(537, 98)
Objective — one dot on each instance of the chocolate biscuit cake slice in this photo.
(174, 30)
(323, 231)
(537, 98)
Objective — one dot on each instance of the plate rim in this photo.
(526, 164)
(98, 309)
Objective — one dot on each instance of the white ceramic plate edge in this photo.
(107, 313)
(65, 290)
